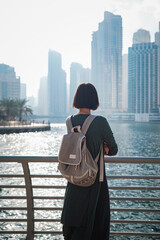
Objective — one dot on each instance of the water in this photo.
(133, 139)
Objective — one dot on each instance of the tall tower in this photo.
(143, 78)
(42, 97)
(106, 70)
(9, 83)
(57, 92)
(141, 36)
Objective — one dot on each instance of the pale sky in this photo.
(29, 28)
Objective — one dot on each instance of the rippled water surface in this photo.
(133, 139)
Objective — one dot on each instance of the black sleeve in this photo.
(108, 138)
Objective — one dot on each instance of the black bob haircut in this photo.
(86, 97)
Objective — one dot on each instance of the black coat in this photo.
(83, 205)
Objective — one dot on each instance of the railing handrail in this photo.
(131, 160)
(25, 160)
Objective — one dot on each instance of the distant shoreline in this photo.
(35, 127)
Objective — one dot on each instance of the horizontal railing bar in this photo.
(13, 208)
(135, 188)
(58, 220)
(140, 234)
(48, 232)
(12, 186)
(63, 187)
(135, 221)
(11, 176)
(134, 160)
(61, 197)
(28, 159)
(135, 199)
(60, 209)
(60, 176)
(134, 210)
(13, 220)
(34, 186)
(32, 176)
(133, 177)
(13, 197)
(112, 233)
(13, 232)
(49, 197)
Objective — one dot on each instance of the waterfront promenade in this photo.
(18, 127)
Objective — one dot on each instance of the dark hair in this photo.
(86, 97)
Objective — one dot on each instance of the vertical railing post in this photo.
(29, 194)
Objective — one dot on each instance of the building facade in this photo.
(23, 91)
(57, 91)
(143, 79)
(9, 83)
(158, 44)
(78, 74)
(43, 97)
(106, 69)
(125, 82)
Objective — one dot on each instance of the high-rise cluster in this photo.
(128, 84)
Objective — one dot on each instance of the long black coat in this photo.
(86, 209)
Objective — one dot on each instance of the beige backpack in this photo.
(75, 161)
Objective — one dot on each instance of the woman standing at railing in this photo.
(86, 210)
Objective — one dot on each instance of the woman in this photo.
(86, 210)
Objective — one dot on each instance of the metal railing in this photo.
(30, 197)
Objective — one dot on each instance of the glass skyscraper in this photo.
(9, 83)
(57, 90)
(107, 62)
(143, 78)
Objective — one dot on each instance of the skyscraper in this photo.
(107, 62)
(43, 97)
(57, 93)
(141, 36)
(9, 83)
(143, 79)
(78, 74)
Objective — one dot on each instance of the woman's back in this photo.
(86, 210)
(98, 132)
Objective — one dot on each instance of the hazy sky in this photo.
(29, 28)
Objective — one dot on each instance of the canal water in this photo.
(133, 139)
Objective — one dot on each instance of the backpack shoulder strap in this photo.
(69, 124)
(101, 157)
(87, 123)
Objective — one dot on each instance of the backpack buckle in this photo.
(76, 129)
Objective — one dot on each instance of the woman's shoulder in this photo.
(100, 119)
(100, 122)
